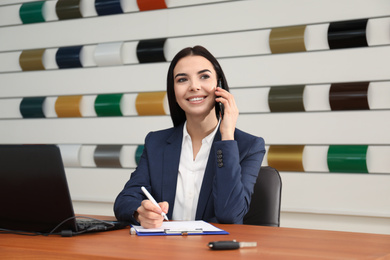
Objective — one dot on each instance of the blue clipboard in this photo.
(183, 228)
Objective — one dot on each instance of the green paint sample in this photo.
(32, 12)
(108, 105)
(32, 107)
(138, 153)
(347, 158)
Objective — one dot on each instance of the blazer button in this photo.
(219, 158)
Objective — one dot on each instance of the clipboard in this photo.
(175, 228)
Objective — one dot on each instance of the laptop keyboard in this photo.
(98, 225)
(84, 224)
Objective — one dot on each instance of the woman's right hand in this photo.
(149, 215)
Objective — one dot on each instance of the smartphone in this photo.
(219, 107)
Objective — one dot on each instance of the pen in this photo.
(153, 201)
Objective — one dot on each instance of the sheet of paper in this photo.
(181, 225)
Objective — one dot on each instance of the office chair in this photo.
(264, 209)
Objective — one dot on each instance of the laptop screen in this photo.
(34, 194)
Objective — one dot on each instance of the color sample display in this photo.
(146, 5)
(286, 157)
(347, 158)
(108, 105)
(32, 12)
(150, 103)
(287, 39)
(286, 98)
(107, 156)
(347, 34)
(69, 57)
(68, 106)
(70, 154)
(138, 153)
(108, 54)
(68, 9)
(151, 50)
(31, 60)
(107, 7)
(32, 107)
(349, 96)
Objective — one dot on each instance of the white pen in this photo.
(153, 201)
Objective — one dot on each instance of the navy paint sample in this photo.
(69, 57)
(107, 7)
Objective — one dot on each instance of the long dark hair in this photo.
(177, 113)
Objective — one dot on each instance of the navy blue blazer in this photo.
(228, 182)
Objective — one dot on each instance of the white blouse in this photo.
(190, 176)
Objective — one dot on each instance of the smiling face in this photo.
(195, 81)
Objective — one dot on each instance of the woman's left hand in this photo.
(228, 123)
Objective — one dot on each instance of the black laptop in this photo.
(34, 194)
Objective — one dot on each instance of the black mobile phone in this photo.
(219, 107)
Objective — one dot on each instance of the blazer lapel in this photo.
(208, 178)
(171, 167)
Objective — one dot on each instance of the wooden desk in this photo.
(273, 243)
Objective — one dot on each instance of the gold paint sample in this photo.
(286, 157)
(287, 39)
(68, 106)
(150, 103)
(31, 60)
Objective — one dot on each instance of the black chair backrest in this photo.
(264, 209)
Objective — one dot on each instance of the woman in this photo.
(203, 167)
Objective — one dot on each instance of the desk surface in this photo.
(273, 243)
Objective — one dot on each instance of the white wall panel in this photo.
(10, 15)
(49, 11)
(70, 155)
(9, 61)
(49, 107)
(379, 95)
(96, 185)
(49, 59)
(87, 106)
(314, 68)
(9, 108)
(110, 130)
(316, 97)
(378, 31)
(8, 2)
(237, 32)
(314, 158)
(87, 81)
(127, 157)
(86, 156)
(349, 127)
(224, 44)
(378, 159)
(252, 100)
(87, 56)
(316, 37)
(236, 16)
(87, 8)
(336, 194)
